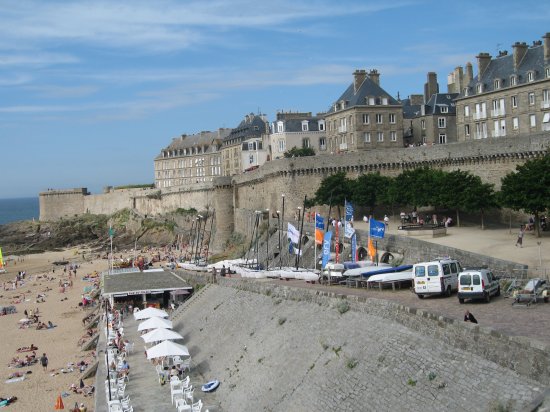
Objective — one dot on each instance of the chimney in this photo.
(416, 99)
(454, 80)
(483, 60)
(431, 87)
(546, 38)
(469, 75)
(375, 76)
(519, 52)
(358, 79)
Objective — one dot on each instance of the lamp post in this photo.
(283, 223)
(267, 243)
(107, 348)
(279, 230)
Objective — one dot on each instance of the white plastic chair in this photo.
(197, 406)
(188, 394)
(182, 406)
(115, 406)
(186, 364)
(129, 346)
(176, 392)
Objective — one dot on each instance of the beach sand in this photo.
(39, 391)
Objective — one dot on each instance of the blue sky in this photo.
(90, 91)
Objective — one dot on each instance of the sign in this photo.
(349, 212)
(377, 229)
(349, 231)
(326, 248)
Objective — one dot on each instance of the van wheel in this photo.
(460, 300)
(487, 297)
(448, 291)
(420, 296)
(498, 292)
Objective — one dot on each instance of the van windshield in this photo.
(419, 271)
(465, 279)
(433, 270)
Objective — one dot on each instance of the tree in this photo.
(418, 187)
(370, 190)
(300, 152)
(334, 190)
(528, 188)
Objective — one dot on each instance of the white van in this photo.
(439, 277)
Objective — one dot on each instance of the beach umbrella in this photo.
(154, 323)
(24, 320)
(150, 313)
(161, 334)
(167, 348)
(59, 403)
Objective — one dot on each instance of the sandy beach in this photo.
(40, 389)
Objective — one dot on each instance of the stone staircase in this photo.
(189, 302)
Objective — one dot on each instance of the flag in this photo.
(349, 211)
(372, 250)
(377, 229)
(354, 247)
(349, 231)
(326, 248)
(293, 234)
(1, 260)
(319, 227)
(111, 231)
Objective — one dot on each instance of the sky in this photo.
(91, 91)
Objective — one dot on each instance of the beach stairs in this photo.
(197, 297)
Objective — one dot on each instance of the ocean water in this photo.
(12, 210)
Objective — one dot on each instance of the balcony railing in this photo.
(498, 133)
(480, 115)
(498, 112)
(342, 129)
(545, 104)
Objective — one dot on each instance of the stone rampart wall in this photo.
(56, 204)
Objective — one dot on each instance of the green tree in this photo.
(334, 190)
(418, 187)
(370, 190)
(528, 188)
(300, 152)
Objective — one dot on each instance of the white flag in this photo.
(293, 234)
(349, 230)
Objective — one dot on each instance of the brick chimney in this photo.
(431, 87)
(455, 80)
(359, 77)
(483, 60)
(546, 39)
(375, 76)
(519, 52)
(469, 75)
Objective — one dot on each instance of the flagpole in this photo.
(283, 225)
(315, 242)
(111, 237)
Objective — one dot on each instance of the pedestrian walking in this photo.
(44, 361)
(520, 236)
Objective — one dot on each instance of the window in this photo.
(531, 99)
(441, 122)
(466, 92)
(515, 123)
(496, 84)
(251, 159)
(444, 109)
(379, 118)
(514, 101)
(321, 125)
(306, 143)
(547, 72)
(479, 88)
(279, 127)
(366, 118)
(282, 146)
(251, 146)
(530, 76)
(532, 120)
(545, 98)
(467, 129)
(305, 125)
(391, 117)
(366, 137)
(380, 136)
(393, 136)
(513, 81)
(466, 111)
(385, 101)
(372, 101)
(442, 138)
(423, 124)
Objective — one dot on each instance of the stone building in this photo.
(299, 130)
(430, 118)
(509, 96)
(190, 159)
(253, 129)
(364, 117)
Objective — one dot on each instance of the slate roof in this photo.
(367, 89)
(142, 281)
(503, 68)
(438, 100)
(200, 139)
(252, 126)
(410, 111)
(295, 125)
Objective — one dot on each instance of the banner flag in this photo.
(349, 211)
(349, 231)
(319, 228)
(293, 234)
(377, 229)
(372, 250)
(354, 247)
(326, 248)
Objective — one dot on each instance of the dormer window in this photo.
(496, 84)
(513, 80)
(530, 76)
(479, 88)
(372, 102)
(444, 109)
(465, 92)
(384, 101)
(321, 125)
(547, 71)
(305, 125)
(280, 127)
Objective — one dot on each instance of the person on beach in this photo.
(520, 236)
(468, 317)
(44, 361)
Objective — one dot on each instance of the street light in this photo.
(267, 243)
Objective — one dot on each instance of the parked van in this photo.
(439, 277)
(477, 284)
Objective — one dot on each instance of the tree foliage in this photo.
(300, 152)
(370, 190)
(334, 189)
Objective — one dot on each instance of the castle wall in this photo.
(57, 204)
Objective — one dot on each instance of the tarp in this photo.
(155, 323)
(150, 313)
(167, 348)
(160, 334)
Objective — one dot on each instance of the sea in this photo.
(12, 210)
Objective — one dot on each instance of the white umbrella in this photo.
(160, 334)
(150, 313)
(167, 348)
(155, 323)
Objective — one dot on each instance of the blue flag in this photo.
(353, 247)
(349, 212)
(377, 229)
(326, 248)
(319, 222)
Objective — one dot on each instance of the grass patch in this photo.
(282, 321)
(411, 382)
(431, 376)
(337, 350)
(352, 363)
(342, 306)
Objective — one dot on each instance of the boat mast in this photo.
(301, 231)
